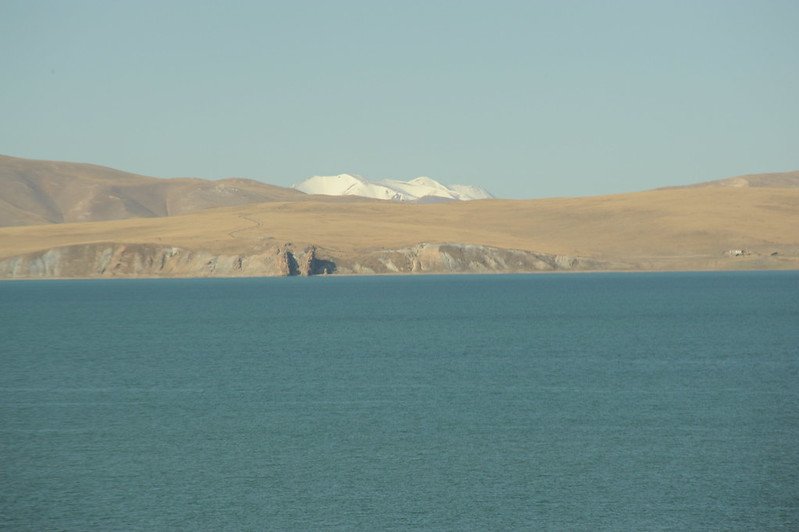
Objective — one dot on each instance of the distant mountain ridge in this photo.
(420, 189)
(35, 192)
(775, 179)
(748, 222)
(764, 180)
(40, 192)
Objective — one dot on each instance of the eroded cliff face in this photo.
(461, 258)
(145, 260)
(153, 260)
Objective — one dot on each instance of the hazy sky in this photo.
(526, 98)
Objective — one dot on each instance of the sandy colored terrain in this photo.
(680, 228)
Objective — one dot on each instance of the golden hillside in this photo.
(679, 228)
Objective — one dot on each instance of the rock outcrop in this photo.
(154, 260)
(312, 264)
(461, 258)
(144, 260)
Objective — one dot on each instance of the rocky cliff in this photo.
(145, 260)
(460, 258)
(153, 260)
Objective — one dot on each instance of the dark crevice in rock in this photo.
(291, 264)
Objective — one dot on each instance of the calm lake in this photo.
(577, 401)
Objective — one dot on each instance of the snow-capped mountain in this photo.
(421, 188)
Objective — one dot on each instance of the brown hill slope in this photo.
(683, 228)
(38, 192)
(768, 180)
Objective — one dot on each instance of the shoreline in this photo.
(410, 274)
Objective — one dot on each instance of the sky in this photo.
(527, 99)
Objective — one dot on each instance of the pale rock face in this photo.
(459, 258)
(417, 189)
(145, 260)
(154, 260)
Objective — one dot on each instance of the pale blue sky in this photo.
(527, 99)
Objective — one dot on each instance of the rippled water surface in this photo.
(616, 401)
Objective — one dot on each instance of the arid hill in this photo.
(39, 192)
(769, 180)
(706, 227)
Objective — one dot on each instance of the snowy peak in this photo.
(347, 185)
(471, 192)
(426, 182)
(420, 188)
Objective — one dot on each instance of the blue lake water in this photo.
(580, 401)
